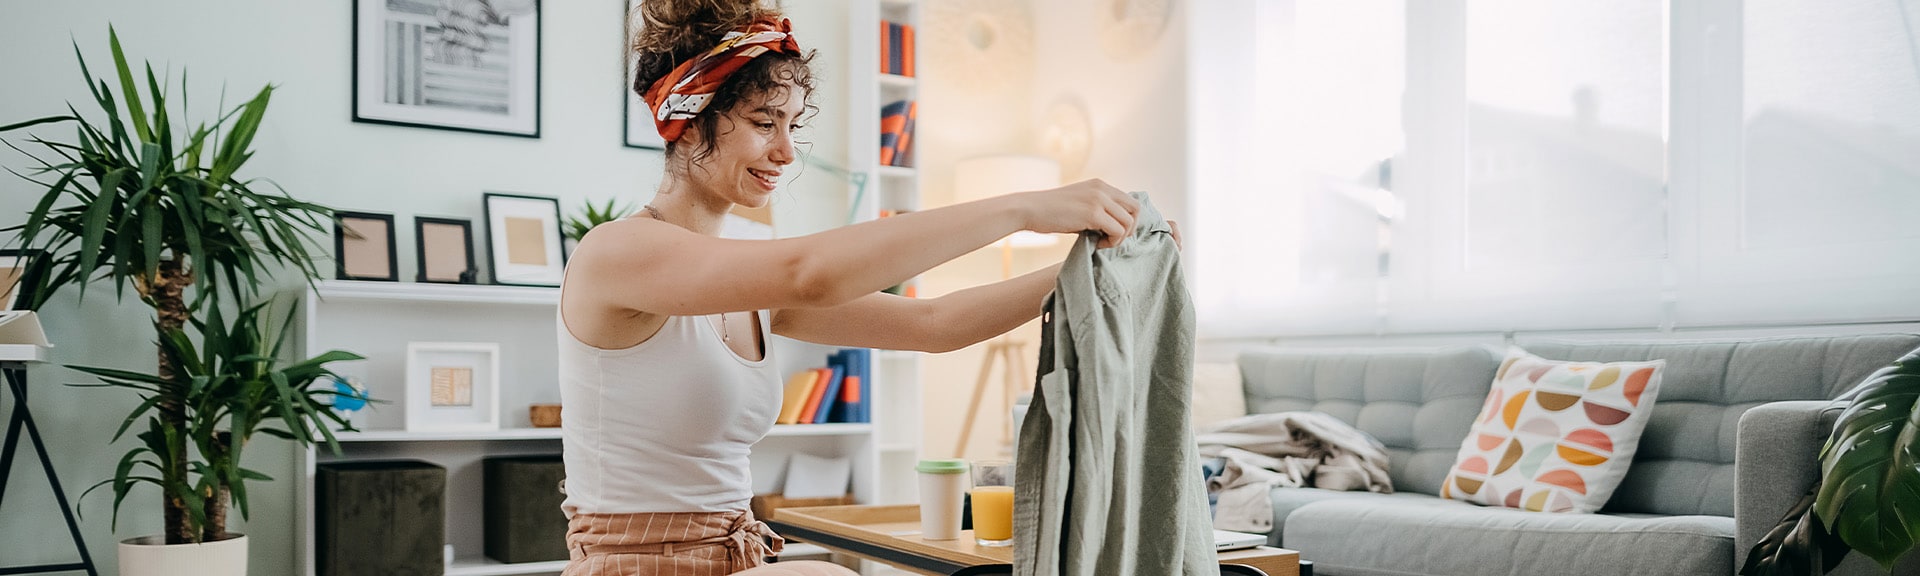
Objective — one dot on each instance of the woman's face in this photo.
(752, 144)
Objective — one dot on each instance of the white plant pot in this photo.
(151, 556)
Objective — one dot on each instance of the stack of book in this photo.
(896, 48)
(841, 391)
(896, 132)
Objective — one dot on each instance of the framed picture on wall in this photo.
(523, 239)
(15, 290)
(445, 250)
(363, 246)
(640, 132)
(453, 386)
(470, 65)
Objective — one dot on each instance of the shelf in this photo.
(338, 290)
(898, 81)
(487, 567)
(454, 436)
(554, 433)
(899, 171)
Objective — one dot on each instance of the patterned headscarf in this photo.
(680, 95)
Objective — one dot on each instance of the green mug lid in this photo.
(942, 466)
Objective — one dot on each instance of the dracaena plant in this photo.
(589, 216)
(233, 384)
(1868, 497)
(144, 201)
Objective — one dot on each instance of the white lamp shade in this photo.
(984, 177)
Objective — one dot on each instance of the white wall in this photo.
(309, 145)
(1136, 101)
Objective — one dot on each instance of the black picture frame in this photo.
(641, 136)
(340, 246)
(495, 208)
(24, 267)
(471, 275)
(372, 108)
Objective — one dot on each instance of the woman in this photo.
(665, 377)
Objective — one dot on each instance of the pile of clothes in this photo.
(1245, 458)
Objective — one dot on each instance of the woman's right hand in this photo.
(1087, 205)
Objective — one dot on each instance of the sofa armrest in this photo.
(1776, 459)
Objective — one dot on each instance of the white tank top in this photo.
(664, 425)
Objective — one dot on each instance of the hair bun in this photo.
(667, 32)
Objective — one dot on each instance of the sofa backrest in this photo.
(1685, 460)
(1419, 404)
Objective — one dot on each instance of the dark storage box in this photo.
(380, 517)
(523, 517)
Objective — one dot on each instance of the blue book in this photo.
(831, 401)
(863, 363)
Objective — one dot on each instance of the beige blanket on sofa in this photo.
(1290, 449)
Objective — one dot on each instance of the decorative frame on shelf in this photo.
(445, 250)
(640, 131)
(15, 267)
(524, 245)
(360, 241)
(453, 386)
(466, 65)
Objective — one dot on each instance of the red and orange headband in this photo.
(683, 93)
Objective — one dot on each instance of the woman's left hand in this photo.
(1175, 228)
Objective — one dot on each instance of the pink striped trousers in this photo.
(679, 544)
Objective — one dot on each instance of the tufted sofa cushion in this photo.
(1419, 404)
(1685, 461)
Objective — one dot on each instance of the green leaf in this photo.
(1798, 546)
(1870, 494)
(35, 122)
(130, 91)
(96, 224)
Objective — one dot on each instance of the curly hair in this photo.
(666, 33)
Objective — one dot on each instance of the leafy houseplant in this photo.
(589, 216)
(163, 212)
(1868, 495)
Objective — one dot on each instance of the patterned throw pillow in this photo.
(1554, 436)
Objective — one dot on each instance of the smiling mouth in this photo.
(770, 178)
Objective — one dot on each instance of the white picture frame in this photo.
(639, 129)
(523, 239)
(453, 386)
(467, 65)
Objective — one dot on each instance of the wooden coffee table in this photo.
(891, 535)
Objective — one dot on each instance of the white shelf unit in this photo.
(892, 188)
(377, 319)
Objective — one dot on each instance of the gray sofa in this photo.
(1732, 444)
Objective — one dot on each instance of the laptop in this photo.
(1228, 540)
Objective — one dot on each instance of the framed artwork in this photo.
(523, 239)
(363, 246)
(453, 386)
(640, 132)
(469, 65)
(15, 292)
(445, 250)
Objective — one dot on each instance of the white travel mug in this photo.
(943, 486)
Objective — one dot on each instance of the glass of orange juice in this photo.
(993, 503)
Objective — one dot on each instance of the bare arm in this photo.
(655, 267)
(943, 324)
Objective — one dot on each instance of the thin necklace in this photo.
(725, 335)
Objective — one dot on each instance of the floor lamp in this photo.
(977, 179)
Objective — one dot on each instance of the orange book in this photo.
(799, 389)
(886, 44)
(906, 49)
(813, 399)
(850, 393)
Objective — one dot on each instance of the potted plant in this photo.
(1868, 496)
(146, 202)
(589, 216)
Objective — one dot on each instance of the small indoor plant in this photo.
(1868, 497)
(589, 216)
(146, 202)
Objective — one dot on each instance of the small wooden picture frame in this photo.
(363, 246)
(524, 239)
(16, 292)
(445, 250)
